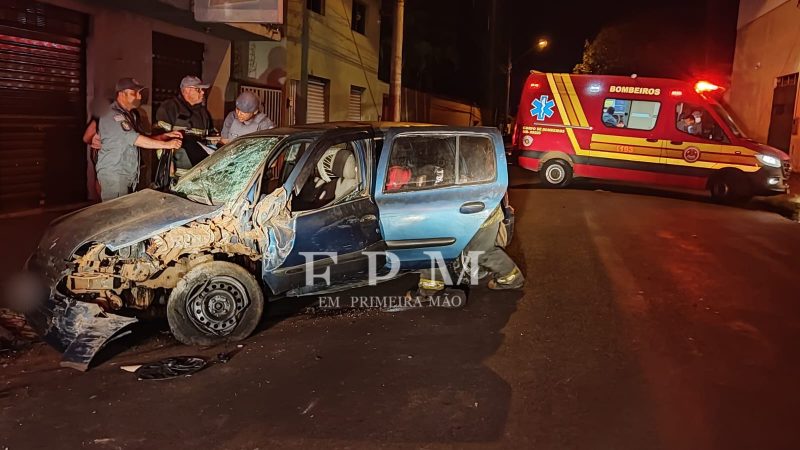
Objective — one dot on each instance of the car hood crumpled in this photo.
(117, 223)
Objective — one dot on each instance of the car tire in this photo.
(216, 302)
(556, 173)
(730, 188)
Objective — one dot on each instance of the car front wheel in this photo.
(729, 188)
(216, 302)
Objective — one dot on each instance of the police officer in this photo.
(245, 119)
(121, 137)
(188, 114)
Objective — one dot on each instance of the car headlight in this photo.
(768, 160)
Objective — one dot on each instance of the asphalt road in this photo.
(650, 320)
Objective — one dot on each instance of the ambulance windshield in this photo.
(720, 110)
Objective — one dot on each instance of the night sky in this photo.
(448, 42)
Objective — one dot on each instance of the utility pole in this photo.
(395, 90)
(493, 62)
(509, 68)
(301, 97)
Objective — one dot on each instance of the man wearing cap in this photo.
(188, 114)
(121, 137)
(245, 119)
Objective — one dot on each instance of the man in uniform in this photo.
(188, 114)
(121, 137)
(245, 119)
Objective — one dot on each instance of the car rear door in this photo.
(347, 227)
(435, 187)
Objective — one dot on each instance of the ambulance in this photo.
(641, 130)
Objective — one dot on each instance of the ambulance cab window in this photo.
(632, 114)
(696, 121)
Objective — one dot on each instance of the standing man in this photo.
(120, 135)
(188, 114)
(245, 119)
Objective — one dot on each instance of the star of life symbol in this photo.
(542, 108)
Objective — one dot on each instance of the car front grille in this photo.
(787, 169)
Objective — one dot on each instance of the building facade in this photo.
(344, 37)
(763, 93)
(60, 58)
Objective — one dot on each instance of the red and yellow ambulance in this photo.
(644, 130)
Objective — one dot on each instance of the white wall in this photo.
(750, 10)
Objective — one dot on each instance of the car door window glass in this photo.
(632, 114)
(427, 162)
(476, 160)
(281, 166)
(422, 162)
(696, 121)
(335, 177)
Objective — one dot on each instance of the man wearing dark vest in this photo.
(187, 113)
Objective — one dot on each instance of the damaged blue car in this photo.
(237, 230)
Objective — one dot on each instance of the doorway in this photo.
(783, 104)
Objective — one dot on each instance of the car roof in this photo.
(314, 128)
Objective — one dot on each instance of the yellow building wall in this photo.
(766, 48)
(338, 54)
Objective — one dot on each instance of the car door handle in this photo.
(369, 218)
(472, 207)
(676, 142)
(651, 140)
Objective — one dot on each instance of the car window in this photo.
(336, 177)
(631, 114)
(221, 177)
(428, 162)
(476, 160)
(695, 120)
(281, 165)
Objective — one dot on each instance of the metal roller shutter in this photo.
(354, 106)
(317, 101)
(42, 105)
(173, 59)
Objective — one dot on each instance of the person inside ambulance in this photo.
(610, 120)
(688, 124)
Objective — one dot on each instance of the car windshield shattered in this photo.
(222, 176)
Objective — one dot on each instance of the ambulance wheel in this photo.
(216, 302)
(556, 173)
(730, 188)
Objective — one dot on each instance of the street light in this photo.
(541, 45)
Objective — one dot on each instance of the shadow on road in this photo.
(522, 179)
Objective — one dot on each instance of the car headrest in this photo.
(332, 163)
(349, 168)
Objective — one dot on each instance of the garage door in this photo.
(173, 59)
(42, 105)
(317, 101)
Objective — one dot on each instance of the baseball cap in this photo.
(192, 81)
(128, 83)
(247, 102)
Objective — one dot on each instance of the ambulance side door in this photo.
(629, 135)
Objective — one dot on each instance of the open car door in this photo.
(332, 212)
(435, 187)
